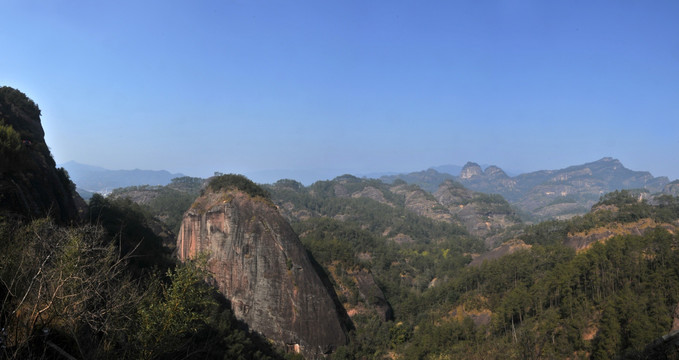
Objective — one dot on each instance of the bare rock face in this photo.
(422, 203)
(371, 193)
(470, 170)
(259, 264)
(582, 241)
(496, 172)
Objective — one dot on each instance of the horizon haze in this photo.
(355, 87)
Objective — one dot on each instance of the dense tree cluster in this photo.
(238, 182)
(10, 147)
(549, 302)
(20, 100)
(541, 302)
(19, 115)
(107, 290)
(615, 207)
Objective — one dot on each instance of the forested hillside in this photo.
(552, 299)
(602, 285)
(167, 203)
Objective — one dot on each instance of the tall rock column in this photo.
(259, 264)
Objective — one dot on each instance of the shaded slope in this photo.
(30, 184)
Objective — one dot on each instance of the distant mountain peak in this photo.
(494, 171)
(470, 170)
(609, 161)
(98, 179)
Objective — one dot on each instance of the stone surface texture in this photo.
(259, 264)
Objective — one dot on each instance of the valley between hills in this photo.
(575, 263)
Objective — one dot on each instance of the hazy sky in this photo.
(328, 87)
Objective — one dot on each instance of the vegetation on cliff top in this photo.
(21, 101)
(237, 182)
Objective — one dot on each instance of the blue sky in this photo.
(321, 88)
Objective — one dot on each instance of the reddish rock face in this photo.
(259, 264)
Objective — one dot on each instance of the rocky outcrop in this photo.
(582, 241)
(506, 248)
(30, 184)
(485, 216)
(470, 170)
(359, 291)
(422, 203)
(259, 264)
(495, 172)
(371, 193)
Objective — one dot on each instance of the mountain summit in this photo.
(471, 170)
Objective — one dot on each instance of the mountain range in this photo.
(546, 194)
(536, 196)
(93, 179)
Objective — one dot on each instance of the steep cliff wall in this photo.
(30, 184)
(259, 264)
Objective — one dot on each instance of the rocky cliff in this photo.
(30, 184)
(259, 264)
(470, 170)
